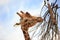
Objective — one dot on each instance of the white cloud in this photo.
(2, 2)
(0, 26)
(2, 32)
(15, 35)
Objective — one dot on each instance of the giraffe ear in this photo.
(28, 14)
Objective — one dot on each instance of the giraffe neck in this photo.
(25, 32)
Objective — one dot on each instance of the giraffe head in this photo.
(28, 20)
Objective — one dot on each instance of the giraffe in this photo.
(27, 21)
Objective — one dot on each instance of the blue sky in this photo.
(8, 16)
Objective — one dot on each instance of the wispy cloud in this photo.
(3, 2)
(15, 35)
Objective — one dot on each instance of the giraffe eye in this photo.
(26, 20)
